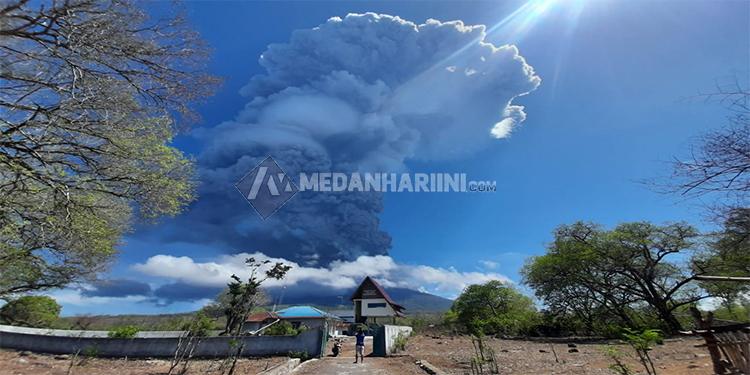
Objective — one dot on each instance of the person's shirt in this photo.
(360, 339)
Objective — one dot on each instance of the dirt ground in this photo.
(450, 354)
(453, 354)
(371, 366)
(17, 363)
(401, 364)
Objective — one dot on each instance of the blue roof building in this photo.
(298, 316)
(304, 312)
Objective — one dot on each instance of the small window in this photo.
(375, 305)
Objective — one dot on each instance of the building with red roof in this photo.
(372, 302)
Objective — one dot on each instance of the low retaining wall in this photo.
(161, 344)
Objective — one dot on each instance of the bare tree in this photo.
(718, 163)
(91, 94)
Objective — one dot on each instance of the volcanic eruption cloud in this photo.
(361, 94)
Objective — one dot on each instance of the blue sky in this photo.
(608, 110)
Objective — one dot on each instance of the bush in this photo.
(619, 366)
(401, 340)
(31, 311)
(281, 329)
(123, 332)
(641, 342)
(301, 354)
(200, 325)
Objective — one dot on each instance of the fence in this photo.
(153, 344)
(729, 347)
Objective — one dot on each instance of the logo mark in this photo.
(267, 187)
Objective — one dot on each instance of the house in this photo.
(297, 316)
(372, 302)
(347, 315)
(256, 321)
(339, 329)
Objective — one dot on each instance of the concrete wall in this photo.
(38, 340)
(391, 333)
(79, 333)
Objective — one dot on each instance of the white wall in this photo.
(336, 330)
(377, 311)
(391, 333)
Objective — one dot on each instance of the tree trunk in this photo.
(668, 317)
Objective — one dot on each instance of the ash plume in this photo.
(365, 93)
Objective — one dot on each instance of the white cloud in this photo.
(503, 128)
(340, 274)
(489, 264)
(75, 297)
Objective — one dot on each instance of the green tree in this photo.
(244, 296)
(31, 311)
(91, 94)
(492, 308)
(618, 269)
(222, 303)
(728, 254)
(730, 246)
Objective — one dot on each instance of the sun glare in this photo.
(517, 24)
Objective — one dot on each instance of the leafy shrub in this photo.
(401, 340)
(281, 329)
(301, 354)
(200, 325)
(642, 342)
(123, 332)
(31, 311)
(619, 367)
(91, 352)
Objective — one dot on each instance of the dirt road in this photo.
(371, 366)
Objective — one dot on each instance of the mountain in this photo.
(418, 301)
(411, 299)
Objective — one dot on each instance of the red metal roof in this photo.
(358, 292)
(259, 317)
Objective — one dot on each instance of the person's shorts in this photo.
(359, 349)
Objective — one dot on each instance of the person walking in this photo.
(359, 348)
